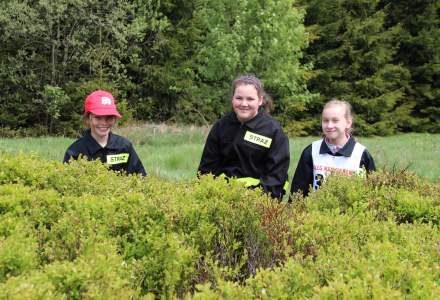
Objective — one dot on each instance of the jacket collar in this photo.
(94, 146)
(252, 123)
(347, 150)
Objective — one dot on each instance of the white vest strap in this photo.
(325, 164)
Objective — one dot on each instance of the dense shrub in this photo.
(79, 231)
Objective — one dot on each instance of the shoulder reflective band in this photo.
(286, 186)
(117, 158)
(257, 139)
(249, 181)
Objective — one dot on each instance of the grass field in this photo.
(174, 152)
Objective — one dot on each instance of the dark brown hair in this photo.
(250, 79)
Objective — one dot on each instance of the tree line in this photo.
(169, 60)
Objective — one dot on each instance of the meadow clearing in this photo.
(79, 231)
(173, 152)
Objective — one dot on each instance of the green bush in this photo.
(18, 249)
(80, 231)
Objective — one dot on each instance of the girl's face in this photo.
(335, 124)
(245, 102)
(100, 126)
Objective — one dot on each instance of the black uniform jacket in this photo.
(303, 178)
(227, 152)
(89, 147)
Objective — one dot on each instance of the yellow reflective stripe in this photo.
(286, 186)
(117, 158)
(249, 181)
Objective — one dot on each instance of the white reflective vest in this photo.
(325, 164)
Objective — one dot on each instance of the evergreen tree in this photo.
(354, 58)
(419, 52)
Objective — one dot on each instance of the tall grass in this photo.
(419, 153)
(174, 152)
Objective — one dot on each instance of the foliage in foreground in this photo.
(78, 231)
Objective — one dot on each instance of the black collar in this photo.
(347, 150)
(252, 123)
(94, 146)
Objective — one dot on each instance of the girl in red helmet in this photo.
(99, 142)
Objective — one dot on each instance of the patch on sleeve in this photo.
(257, 139)
(117, 158)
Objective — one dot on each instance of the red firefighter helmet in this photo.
(101, 103)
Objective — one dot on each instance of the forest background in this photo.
(173, 61)
(78, 231)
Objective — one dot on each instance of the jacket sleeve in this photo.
(277, 165)
(70, 154)
(303, 178)
(211, 159)
(367, 161)
(134, 163)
